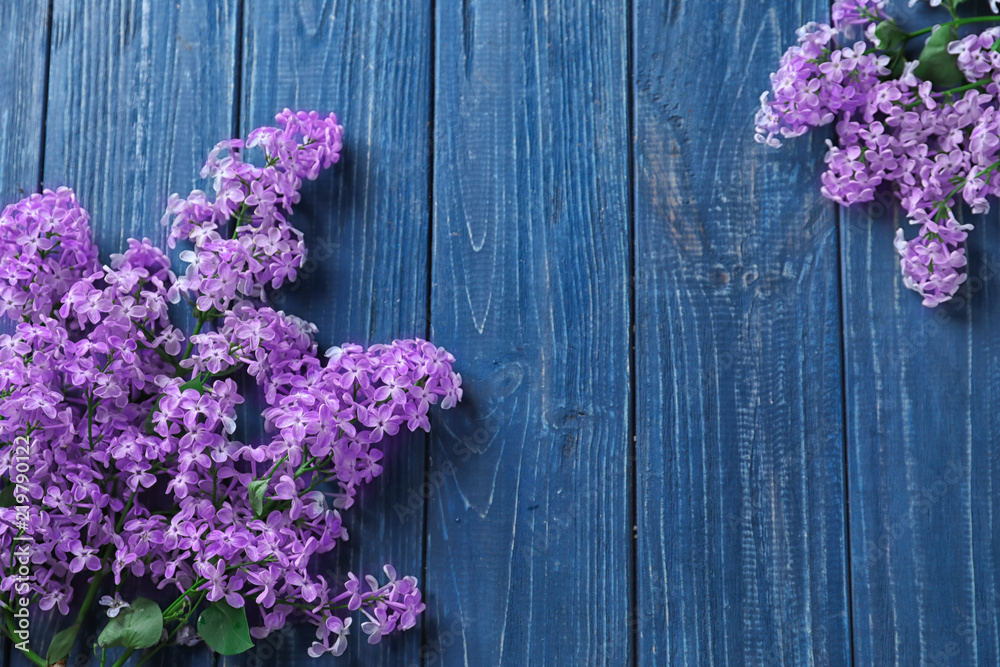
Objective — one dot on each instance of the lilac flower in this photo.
(264, 583)
(932, 262)
(219, 586)
(186, 636)
(380, 622)
(931, 149)
(856, 12)
(339, 628)
(45, 247)
(57, 598)
(84, 558)
(130, 420)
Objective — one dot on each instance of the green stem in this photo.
(34, 657)
(957, 22)
(953, 9)
(125, 510)
(274, 468)
(95, 585)
(183, 596)
(961, 184)
(969, 86)
(180, 623)
(239, 219)
(156, 650)
(88, 602)
(269, 162)
(953, 91)
(29, 654)
(942, 205)
(302, 469)
(147, 344)
(125, 656)
(202, 318)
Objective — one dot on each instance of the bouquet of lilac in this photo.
(117, 429)
(924, 129)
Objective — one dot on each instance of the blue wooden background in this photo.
(704, 422)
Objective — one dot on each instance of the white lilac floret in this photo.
(128, 422)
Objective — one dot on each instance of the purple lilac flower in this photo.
(129, 421)
(46, 247)
(856, 12)
(816, 82)
(262, 249)
(932, 149)
(932, 261)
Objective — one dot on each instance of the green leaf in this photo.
(138, 627)
(225, 628)
(890, 35)
(194, 383)
(149, 426)
(7, 495)
(256, 490)
(61, 644)
(936, 64)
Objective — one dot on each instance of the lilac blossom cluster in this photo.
(130, 422)
(925, 130)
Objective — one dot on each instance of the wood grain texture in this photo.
(366, 223)
(529, 531)
(138, 94)
(24, 47)
(23, 52)
(485, 196)
(740, 493)
(24, 38)
(924, 477)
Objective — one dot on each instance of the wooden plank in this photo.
(24, 48)
(924, 478)
(366, 225)
(23, 56)
(138, 94)
(529, 538)
(741, 520)
(23, 59)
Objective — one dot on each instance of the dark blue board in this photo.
(23, 69)
(741, 514)
(922, 430)
(366, 223)
(137, 95)
(704, 422)
(529, 542)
